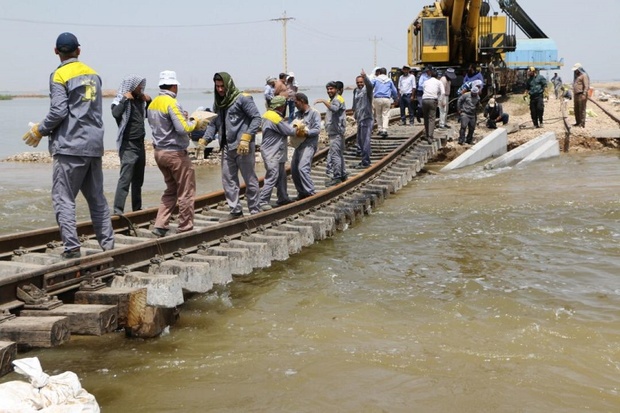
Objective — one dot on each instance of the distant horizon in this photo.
(40, 93)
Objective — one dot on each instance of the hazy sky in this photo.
(326, 40)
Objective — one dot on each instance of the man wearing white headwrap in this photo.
(129, 110)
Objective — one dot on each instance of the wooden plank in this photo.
(8, 353)
(87, 319)
(36, 331)
(118, 296)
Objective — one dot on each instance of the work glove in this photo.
(33, 136)
(202, 142)
(300, 128)
(201, 124)
(244, 144)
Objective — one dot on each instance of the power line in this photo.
(132, 26)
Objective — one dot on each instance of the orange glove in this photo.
(33, 136)
(244, 144)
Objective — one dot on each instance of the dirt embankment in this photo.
(521, 129)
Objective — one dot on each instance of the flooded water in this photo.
(470, 292)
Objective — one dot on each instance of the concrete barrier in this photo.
(549, 149)
(521, 152)
(494, 144)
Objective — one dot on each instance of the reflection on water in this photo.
(476, 291)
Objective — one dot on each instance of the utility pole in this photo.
(284, 20)
(375, 41)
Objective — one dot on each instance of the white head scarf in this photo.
(129, 84)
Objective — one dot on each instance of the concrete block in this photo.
(240, 263)
(278, 244)
(550, 149)
(319, 228)
(492, 145)
(260, 252)
(306, 233)
(162, 290)
(521, 152)
(195, 277)
(293, 238)
(219, 267)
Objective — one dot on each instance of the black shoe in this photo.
(461, 142)
(159, 232)
(360, 166)
(285, 202)
(332, 182)
(232, 216)
(303, 196)
(403, 123)
(71, 254)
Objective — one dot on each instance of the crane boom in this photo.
(521, 19)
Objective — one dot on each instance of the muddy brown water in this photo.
(477, 291)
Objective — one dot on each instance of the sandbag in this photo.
(203, 114)
(49, 394)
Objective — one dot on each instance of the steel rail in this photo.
(66, 275)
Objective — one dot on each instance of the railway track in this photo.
(35, 281)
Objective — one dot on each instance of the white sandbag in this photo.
(62, 393)
(203, 114)
(299, 125)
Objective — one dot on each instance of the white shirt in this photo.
(433, 89)
(406, 84)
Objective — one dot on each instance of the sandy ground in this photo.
(520, 129)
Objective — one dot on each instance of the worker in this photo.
(171, 128)
(74, 125)
(433, 93)
(309, 126)
(274, 150)
(446, 79)
(535, 86)
(581, 86)
(384, 91)
(406, 86)
(557, 85)
(335, 125)
(237, 122)
(129, 110)
(494, 113)
(362, 111)
(269, 90)
(466, 108)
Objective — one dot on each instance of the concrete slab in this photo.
(492, 145)
(521, 152)
(219, 267)
(162, 290)
(195, 277)
(549, 149)
(240, 262)
(293, 238)
(277, 244)
(260, 253)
